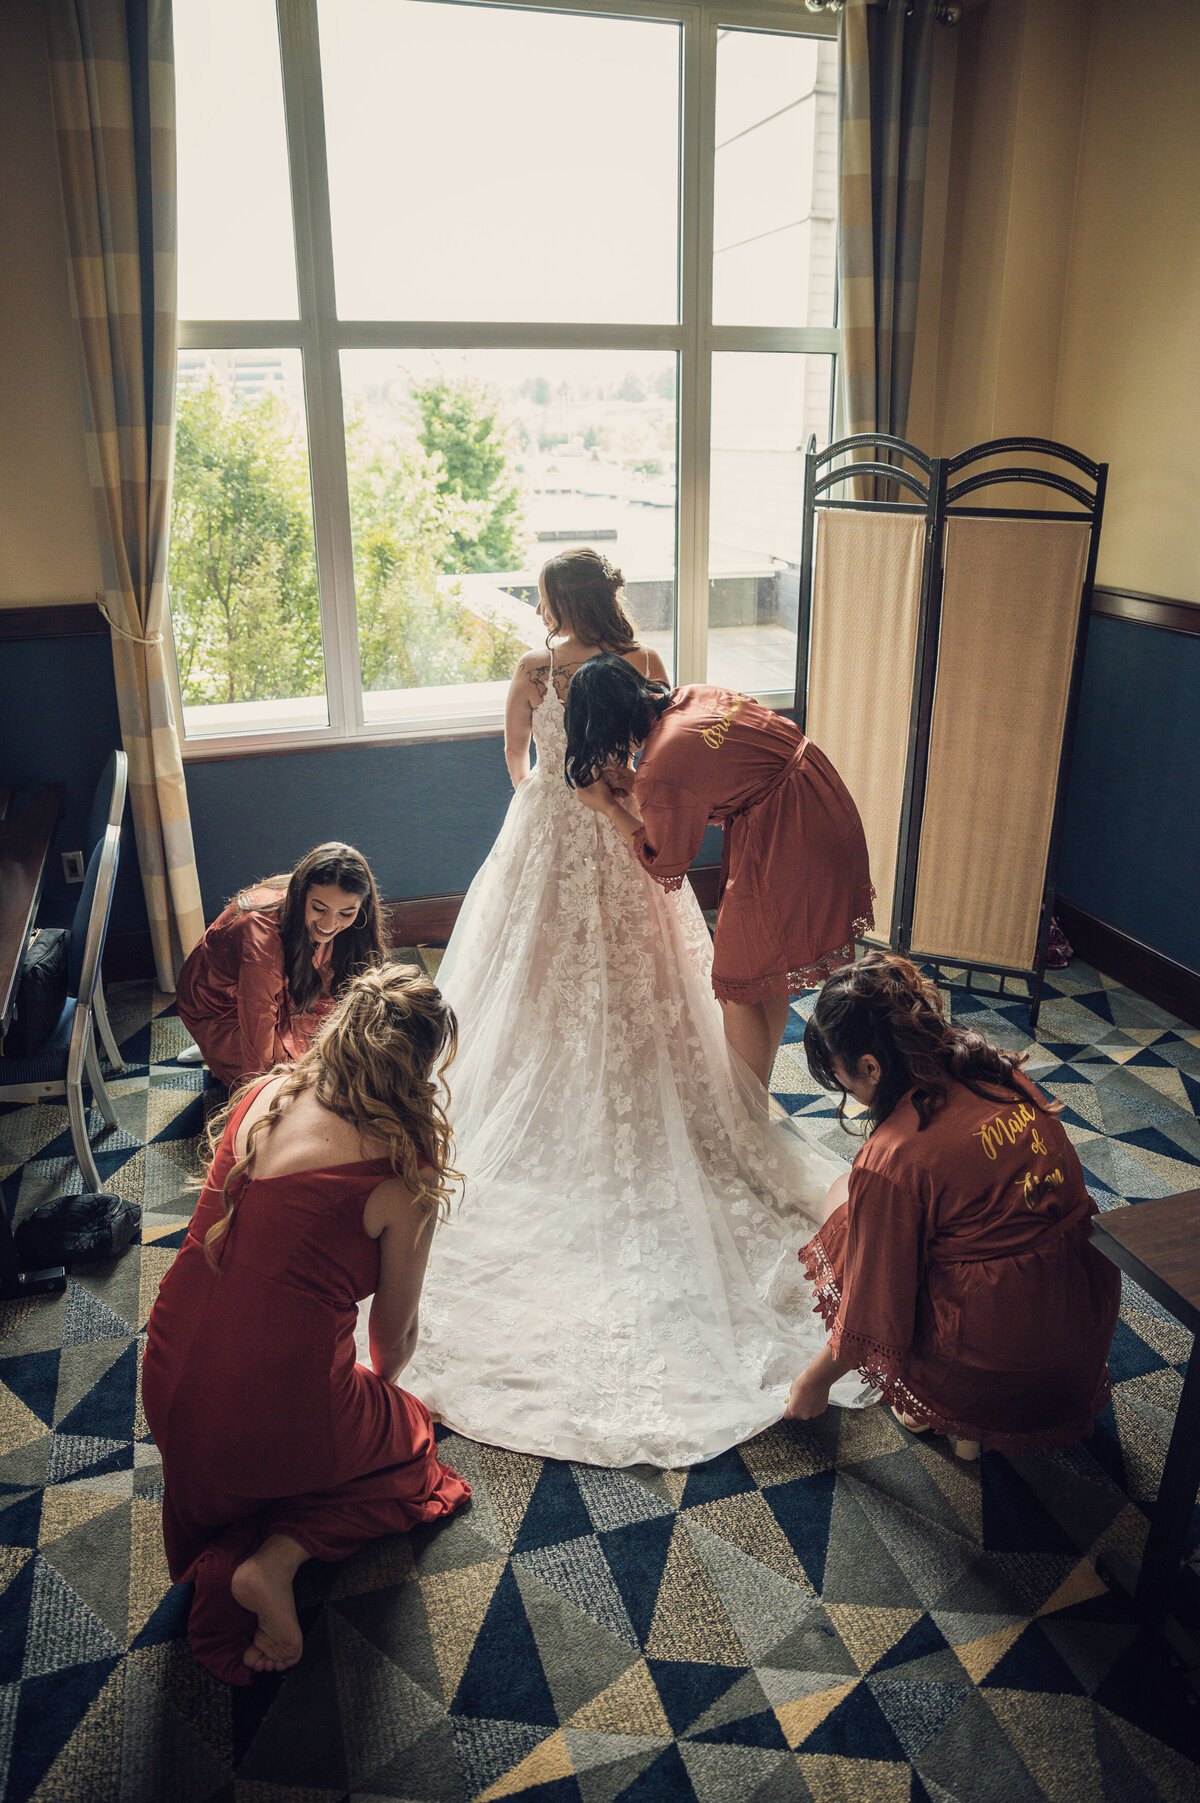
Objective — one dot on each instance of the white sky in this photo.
(484, 163)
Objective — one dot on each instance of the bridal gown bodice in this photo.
(619, 1283)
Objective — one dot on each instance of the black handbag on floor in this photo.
(77, 1230)
(41, 992)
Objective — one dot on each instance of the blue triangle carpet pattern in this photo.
(833, 1611)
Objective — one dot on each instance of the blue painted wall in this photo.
(1131, 844)
(425, 815)
(58, 723)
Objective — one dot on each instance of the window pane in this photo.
(243, 577)
(468, 469)
(774, 242)
(764, 406)
(236, 255)
(494, 164)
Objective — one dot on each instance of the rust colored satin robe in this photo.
(795, 884)
(265, 1420)
(233, 994)
(959, 1275)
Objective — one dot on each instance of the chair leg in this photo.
(79, 1138)
(100, 1095)
(100, 1013)
(81, 1057)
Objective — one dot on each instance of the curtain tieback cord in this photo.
(155, 638)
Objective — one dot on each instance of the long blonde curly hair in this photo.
(378, 1062)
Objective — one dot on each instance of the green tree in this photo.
(460, 424)
(243, 572)
(413, 627)
(243, 581)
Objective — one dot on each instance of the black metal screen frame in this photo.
(939, 491)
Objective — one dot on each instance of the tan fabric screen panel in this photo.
(1010, 610)
(865, 604)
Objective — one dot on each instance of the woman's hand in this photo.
(597, 796)
(808, 1396)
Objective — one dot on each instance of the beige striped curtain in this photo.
(113, 83)
(885, 79)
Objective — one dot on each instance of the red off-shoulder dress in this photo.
(960, 1277)
(795, 884)
(265, 1420)
(233, 996)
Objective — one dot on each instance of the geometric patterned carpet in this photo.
(835, 1611)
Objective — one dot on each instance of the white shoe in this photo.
(191, 1055)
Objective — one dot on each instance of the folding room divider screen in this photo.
(938, 663)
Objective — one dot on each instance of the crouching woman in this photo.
(954, 1269)
(277, 1446)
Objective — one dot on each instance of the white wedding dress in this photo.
(619, 1283)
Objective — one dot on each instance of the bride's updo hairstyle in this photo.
(884, 1006)
(378, 1063)
(583, 592)
(610, 708)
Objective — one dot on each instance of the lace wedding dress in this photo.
(619, 1283)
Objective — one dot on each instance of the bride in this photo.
(620, 1283)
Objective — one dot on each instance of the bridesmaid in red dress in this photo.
(269, 968)
(955, 1268)
(795, 885)
(277, 1446)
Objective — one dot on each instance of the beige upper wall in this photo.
(48, 548)
(1060, 291)
(1068, 296)
(1129, 370)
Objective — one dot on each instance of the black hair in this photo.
(610, 708)
(884, 1007)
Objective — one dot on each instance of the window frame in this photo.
(320, 337)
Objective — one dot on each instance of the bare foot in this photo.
(263, 1584)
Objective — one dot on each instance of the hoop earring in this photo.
(360, 919)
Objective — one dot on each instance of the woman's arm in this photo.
(809, 1394)
(622, 810)
(404, 1233)
(260, 996)
(518, 721)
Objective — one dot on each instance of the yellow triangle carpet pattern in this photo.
(835, 1611)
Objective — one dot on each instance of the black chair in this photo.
(108, 808)
(69, 1057)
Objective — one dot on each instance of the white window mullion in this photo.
(695, 391)
(322, 375)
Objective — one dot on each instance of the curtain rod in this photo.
(944, 11)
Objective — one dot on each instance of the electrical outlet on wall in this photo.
(73, 867)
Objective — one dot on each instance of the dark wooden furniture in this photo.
(1158, 1244)
(26, 835)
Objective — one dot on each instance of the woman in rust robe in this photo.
(795, 885)
(269, 968)
(955, 1268)
(277, 1446)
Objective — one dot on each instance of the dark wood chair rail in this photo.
(25, 841)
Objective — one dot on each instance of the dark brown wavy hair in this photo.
(379, 1063)
(358, 947)
(884, 1006)
(610, 708)
(583, 592)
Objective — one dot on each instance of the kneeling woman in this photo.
(271, 965)
(955, 1269)
(277, 1446)
(795, 887)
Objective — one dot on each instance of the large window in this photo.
(461, 285)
